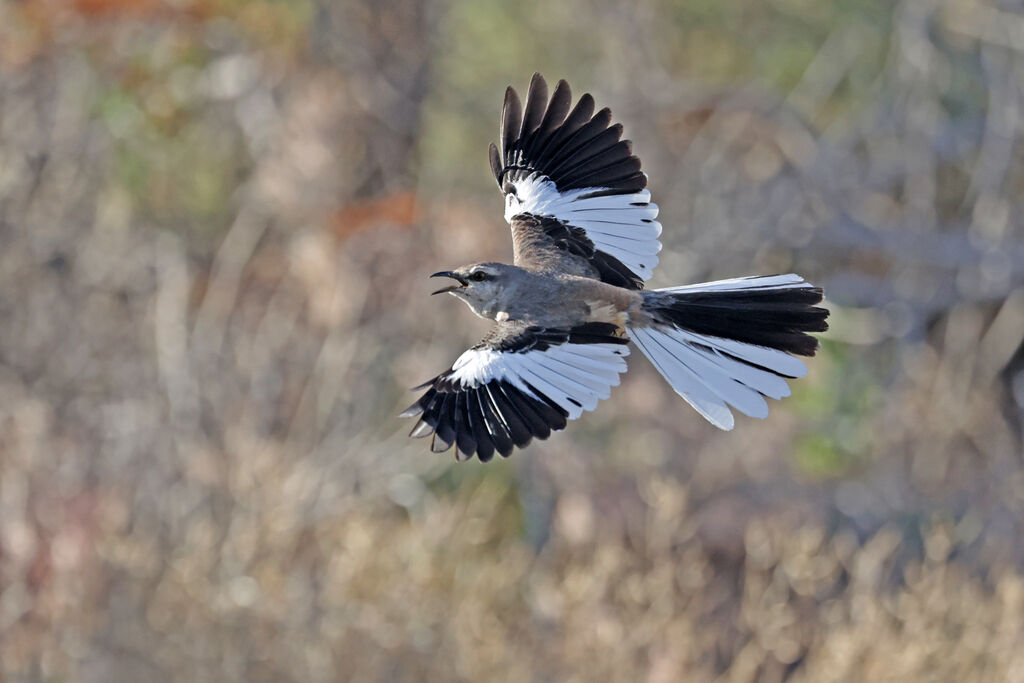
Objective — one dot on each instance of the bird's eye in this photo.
(478, 276)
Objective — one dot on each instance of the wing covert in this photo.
(572, 166)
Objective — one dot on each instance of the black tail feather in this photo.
(776, 317)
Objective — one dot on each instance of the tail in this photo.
(728, 343)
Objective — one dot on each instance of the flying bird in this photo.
(585, 239)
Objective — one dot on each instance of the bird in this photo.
(565, 311)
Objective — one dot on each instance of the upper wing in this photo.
(572, 168)
(519, 383)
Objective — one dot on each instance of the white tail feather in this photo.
(712, 374)
(788, 281)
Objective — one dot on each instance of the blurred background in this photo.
(216, 222)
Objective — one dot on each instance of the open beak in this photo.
(452, 288)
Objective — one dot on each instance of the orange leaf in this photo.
(398, 207)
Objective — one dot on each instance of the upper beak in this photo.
(448, 273)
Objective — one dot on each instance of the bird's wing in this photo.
(573, 189)
(518, 383)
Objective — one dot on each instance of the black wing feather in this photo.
(534, 422)
(545, 140)
(495, 159)
(581, 113)
(484, 444)
(465, 443)
(495, 426)
(555, 114)
(596, 146)
(533, 114)
(444, 430)
(511, 121)
(513, 422)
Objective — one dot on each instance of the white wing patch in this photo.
(621, 225)
(712, 373)
(573, 376)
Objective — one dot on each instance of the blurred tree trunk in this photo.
(385, 50)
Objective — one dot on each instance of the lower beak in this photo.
(452, 288)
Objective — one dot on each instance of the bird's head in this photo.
(480, 285)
